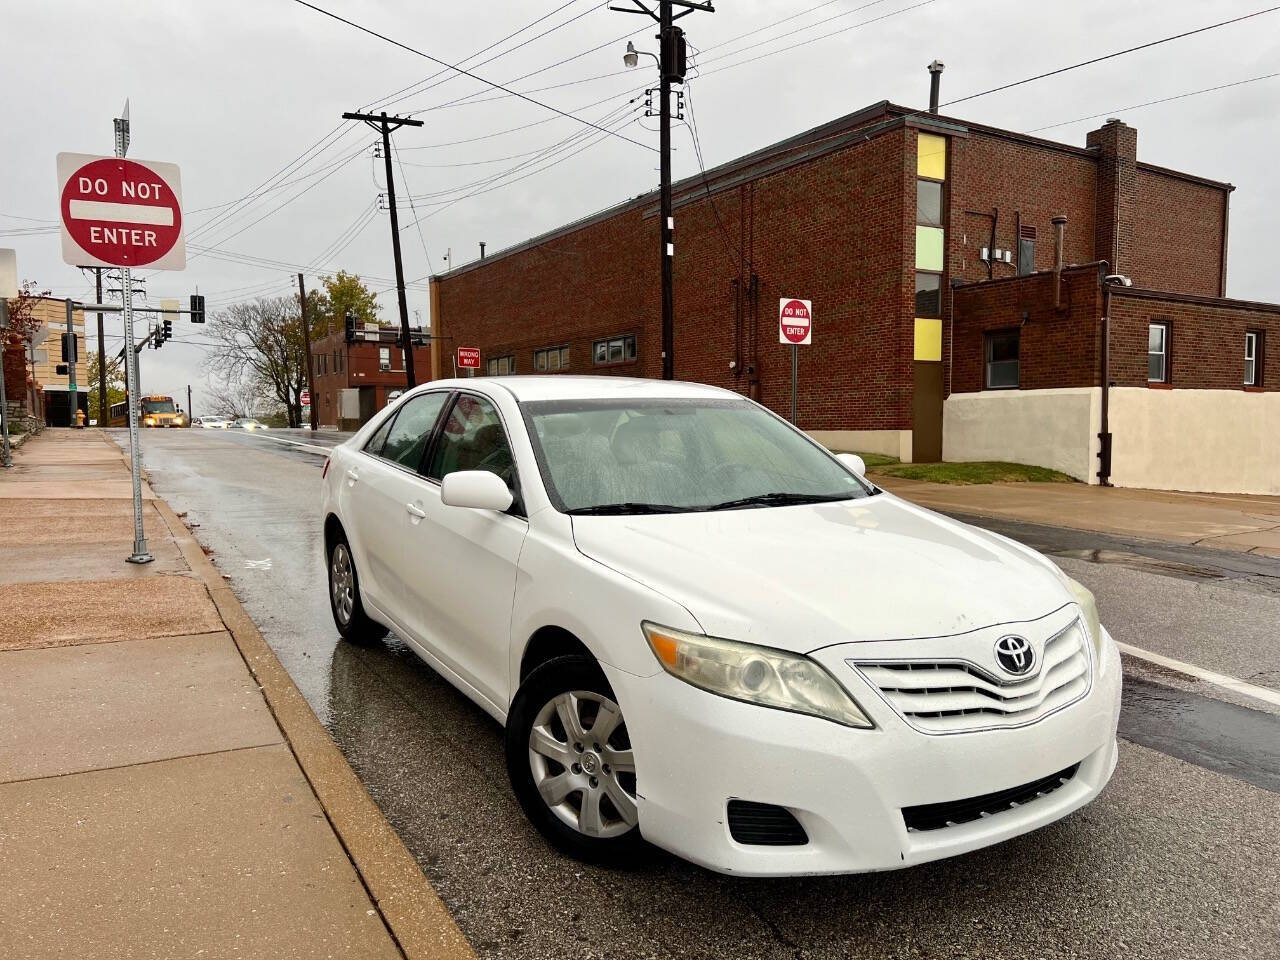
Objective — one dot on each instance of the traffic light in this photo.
(197, 308)
(351, 326)
(168, 328)
(157, 338)
(70, 348)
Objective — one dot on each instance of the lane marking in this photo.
(293, 443)
(1265, 694)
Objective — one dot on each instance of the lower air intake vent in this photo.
(935, 816)
(763, 824)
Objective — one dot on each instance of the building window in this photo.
(613, 350)
(928, 295)
(1026, 250)
(501, 366)
(1002, 359)
(929, 203)
(1253, 358)
(551, 359)
(384, 359)
(1158, 353)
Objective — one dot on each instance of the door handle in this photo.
(352, 476)
(415, 511)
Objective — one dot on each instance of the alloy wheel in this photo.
(583, 765)
(341, 584)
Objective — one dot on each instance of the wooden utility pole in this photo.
(306, 343)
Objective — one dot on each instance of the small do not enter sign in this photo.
(795, 322)
(120, 213)
(469, 358)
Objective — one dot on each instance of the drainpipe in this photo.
(935, 84)
(1104, 435)
(1059, 239)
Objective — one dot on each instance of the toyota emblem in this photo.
(1014, 654)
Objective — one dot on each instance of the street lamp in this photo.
(632, 57)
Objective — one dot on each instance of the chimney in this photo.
(1116, 146)
(1059, 239)
(481, 249)
(935, 84)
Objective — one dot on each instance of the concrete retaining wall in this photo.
(1044, 428)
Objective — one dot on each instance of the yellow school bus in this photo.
(154, 411)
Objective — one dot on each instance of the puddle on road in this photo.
(1168, 568)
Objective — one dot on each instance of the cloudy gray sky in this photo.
(235, 90)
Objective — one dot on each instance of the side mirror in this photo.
(476, 489)
(853, 462)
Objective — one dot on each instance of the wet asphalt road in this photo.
(1180, 857)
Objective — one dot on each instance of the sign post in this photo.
(795, 327)
(8, 288)
(123, 213)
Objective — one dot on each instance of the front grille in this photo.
(936, 816)
(763, 824)
(937, 696)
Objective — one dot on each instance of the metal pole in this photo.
(188, 402)
(667, 228)
(140, 552)
(74, 407)
(306, 343)
(102, 358)
(6, 457)
(795, 382)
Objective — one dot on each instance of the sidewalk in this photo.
(1231, 522)
(164, 789)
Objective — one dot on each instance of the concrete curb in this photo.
(413, 912)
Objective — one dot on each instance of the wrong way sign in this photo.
(795, 321)
(120, 213)
(469, 358)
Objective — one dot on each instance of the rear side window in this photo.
(409, 432)
(472, 438)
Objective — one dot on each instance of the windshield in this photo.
(157, 406)
(668, 456)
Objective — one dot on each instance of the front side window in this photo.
(472, 438)
(674, 456)
(1158, 353)
(1003, 365)
(409, 432)
(614, 350)
(1252, 358)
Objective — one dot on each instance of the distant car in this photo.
(211, 423)
(394, 395)
(248, 423)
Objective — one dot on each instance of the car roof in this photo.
(564, 387)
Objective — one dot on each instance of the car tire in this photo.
(349, 617)
(575, 783)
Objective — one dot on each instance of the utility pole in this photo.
(188, 400)
(70, 352)
(306, 344)
(671, 69)
(385, 124)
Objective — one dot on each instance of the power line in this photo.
(1152, 103)
(464, 72)
(417, 221)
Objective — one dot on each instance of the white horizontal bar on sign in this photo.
(121, 212)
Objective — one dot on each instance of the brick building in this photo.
(355, 370)
(881, 218)
(33, 385)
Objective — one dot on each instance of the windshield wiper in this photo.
(622, 509)
(778, 499)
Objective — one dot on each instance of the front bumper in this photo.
(847, 788)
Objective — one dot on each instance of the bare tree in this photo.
(260, 344)
(233, 397)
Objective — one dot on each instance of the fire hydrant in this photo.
(79, 419)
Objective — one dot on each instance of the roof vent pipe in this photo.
(1059, 240)
(935, 84)
(481, 249)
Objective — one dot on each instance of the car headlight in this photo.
(1089, 607)
(759, 675)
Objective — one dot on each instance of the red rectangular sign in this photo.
(469, 358)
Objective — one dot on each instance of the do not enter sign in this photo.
(795, 321)
(120, 213)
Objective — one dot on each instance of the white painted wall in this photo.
(892, 443)
(1043, 428)
(1220, 441)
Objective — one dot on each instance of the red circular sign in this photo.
(795, 321)
(121, 212)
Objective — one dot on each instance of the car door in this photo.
(383, 484)
(466, 565)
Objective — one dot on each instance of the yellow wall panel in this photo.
(929, 245)
(928, 339)
(931, 156)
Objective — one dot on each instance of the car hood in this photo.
(804, 577)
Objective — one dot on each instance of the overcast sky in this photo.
(235, 90)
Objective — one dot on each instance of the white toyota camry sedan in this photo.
(703, 630)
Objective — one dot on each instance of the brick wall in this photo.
(1057, 347)
(15, 374)
(1206, 336)
(1178, 234)
(359, 368)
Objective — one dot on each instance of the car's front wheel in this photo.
(344, 598)
(570, 762)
